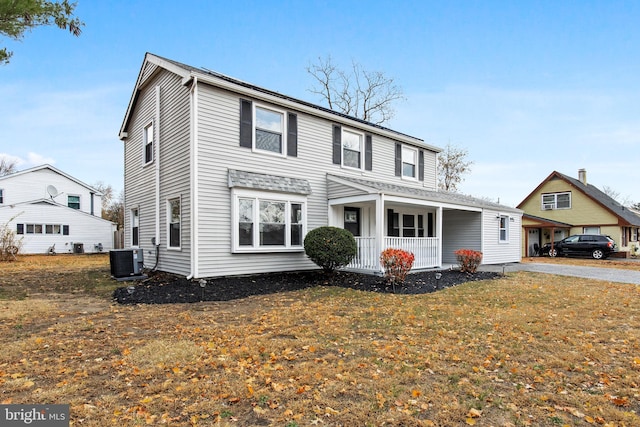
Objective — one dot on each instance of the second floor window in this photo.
(352, 149)
(73, 202)
(269, 130)
(148, 143)
(409, 162)
(556, 201)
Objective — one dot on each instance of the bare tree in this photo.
(367, 95)
(452, 165)
(615, 195)
(7, 166)
(112, 208)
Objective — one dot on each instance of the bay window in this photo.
(268, 222)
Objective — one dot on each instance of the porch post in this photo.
(439, 233)
(379, 227)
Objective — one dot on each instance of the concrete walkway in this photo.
(596, 273)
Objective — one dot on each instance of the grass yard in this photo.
(528, 349)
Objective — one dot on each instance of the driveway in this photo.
(596, 273)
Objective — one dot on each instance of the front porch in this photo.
(425, 249)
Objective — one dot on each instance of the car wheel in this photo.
(597, 254)
(553, 252)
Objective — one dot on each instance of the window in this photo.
(556, 201)
(409, 162)
(269, 130)
(504, 228)
(634, 234)
(591, 230)
(148, 143)
(19, 228)
(135, 226)
(34, 228)
(1, 196)
(52, 229)
(173, 207)
(73, 202)
(268, 222)
(405, 225)
(352, 149)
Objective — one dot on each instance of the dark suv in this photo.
(594, 245)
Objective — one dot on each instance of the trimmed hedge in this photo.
(330, 247)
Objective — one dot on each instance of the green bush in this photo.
(330, 247)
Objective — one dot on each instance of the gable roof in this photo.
(55, 170)
(190, 73)
(625, 215)
(419, 193)
(71, 211)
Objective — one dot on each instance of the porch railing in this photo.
(425, 250)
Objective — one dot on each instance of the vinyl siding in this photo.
(83, 228)
(140, 189)
(460, 230)
(495, 251)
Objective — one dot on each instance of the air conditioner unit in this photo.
(547, 207)
(126, 263)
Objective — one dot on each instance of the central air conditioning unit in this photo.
(127, 264)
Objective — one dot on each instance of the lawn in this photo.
(527, 349)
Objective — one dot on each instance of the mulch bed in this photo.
(163, 288)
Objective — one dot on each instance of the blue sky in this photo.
(527, 87)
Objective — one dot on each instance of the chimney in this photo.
(582, 176)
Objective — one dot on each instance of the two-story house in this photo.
(223, 178)
(561, 206)
(45, 207)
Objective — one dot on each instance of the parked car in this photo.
(595, 245)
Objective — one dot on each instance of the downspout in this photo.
(156, 129)
(193, 163)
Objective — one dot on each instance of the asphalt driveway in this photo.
(596, 273)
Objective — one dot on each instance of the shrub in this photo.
(330, 247)
(10, 244)
(396, 264)
(469, 260)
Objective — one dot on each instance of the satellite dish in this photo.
(53, 191)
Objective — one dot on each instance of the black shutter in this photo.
(292, 135)
(337, 144)
(368, 153)
(430, 225)
(421, 165)
(65, 230)
(398, 160)
(389, 222)
(246, 123)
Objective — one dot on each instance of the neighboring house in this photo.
(561, 206)
(226, 178)
(44, 207)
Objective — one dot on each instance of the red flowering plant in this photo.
(469, 260)
(396, 264)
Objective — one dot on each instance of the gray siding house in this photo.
(224, 178)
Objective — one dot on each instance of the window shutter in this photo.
(368, 153)
(292, 135)
(337, 144)
(421, 165)
(398, 160)
(246, 123)
(65, 230)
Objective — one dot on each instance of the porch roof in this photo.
(545, 222)
(261, 181)
(379, 187)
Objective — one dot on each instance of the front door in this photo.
(352, 220)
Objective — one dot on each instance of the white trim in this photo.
(169, 212)
(362, 137)
(254, 127)
(79, 208)
(415, 164)
(258, 196)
